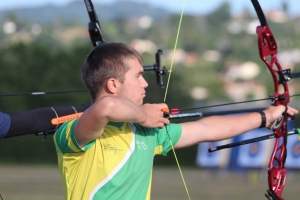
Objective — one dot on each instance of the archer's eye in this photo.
(139, 75)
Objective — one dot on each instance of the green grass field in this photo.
(43, 183)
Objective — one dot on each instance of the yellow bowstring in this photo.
(172, 61)
(178, 31)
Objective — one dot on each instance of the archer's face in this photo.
(134, 84)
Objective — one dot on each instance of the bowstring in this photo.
(174, 51)
(167, 86)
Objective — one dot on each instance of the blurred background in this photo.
(42, 48)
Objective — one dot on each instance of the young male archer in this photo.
(108, 152)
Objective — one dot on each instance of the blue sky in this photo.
(192, 6)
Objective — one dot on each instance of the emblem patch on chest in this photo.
(141, 145)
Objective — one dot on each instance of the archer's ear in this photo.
(112, 85)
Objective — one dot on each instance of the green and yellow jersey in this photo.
(117, 165)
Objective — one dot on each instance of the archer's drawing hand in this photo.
(275, 112)
(154, 116)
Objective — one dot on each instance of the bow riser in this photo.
(276, 179)
(277, 170)
(268, 49)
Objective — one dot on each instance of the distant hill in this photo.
(76, 11)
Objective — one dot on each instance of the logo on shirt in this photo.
(141, 145)
(110, 147)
